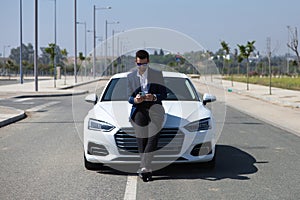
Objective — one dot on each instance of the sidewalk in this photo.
(281, 108)
(289, 98)
(64, 87)
(45, 87)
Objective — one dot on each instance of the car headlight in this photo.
(200, 125)
(99, 125)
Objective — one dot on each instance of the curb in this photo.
(51, 94)
(83, 83)
(14, 117)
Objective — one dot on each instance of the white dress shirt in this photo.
(144, 81)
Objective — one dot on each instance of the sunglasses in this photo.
(142, 64)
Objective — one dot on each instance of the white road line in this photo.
(131, 185)
(21, 100)
(41, 107)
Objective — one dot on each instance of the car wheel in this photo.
(92, 166)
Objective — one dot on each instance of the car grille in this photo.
(169, 142)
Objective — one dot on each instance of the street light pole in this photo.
(94, 52)
(21, 41)
(105, 56)
(75, 40)
(36, 47)
(55, 49)
(94, 41)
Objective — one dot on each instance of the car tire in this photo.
(92, 166)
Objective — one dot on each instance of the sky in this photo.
(206, 22)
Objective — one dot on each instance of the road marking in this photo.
(41, 107)
(130, 191)
(21, 100)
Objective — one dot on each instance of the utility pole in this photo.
(94, 42)
(94, 25)
(21, 41)
(36, 47)
(75, 40)
(55, 49)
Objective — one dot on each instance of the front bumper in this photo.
(175, 145)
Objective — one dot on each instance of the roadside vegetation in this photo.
(285, 82)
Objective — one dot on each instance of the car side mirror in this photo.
(91, 98)
(208, 98)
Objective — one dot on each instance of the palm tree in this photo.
(245, 52)
(226, 49)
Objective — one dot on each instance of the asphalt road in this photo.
(42, 158)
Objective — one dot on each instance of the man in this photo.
(146, 91)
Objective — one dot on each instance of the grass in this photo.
(280, 82)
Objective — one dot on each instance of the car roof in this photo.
(165, 74)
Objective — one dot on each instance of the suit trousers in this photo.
(147, 124)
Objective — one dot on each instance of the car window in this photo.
(177, 89)
(180, 89)
(116, 90)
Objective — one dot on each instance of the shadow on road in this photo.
(231, 163)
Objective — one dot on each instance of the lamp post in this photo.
(94, 52)
(84, 23)
(106, 23)
(36, 45)
(75, 40)
(55, 49)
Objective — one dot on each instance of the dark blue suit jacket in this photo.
(156, 86)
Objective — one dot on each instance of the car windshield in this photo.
(178, 89)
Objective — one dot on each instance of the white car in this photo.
(188, 134)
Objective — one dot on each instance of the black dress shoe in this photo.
(144, 175)
(149, 176)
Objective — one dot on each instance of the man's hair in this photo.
(142, 54)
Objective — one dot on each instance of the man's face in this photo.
(142, 64)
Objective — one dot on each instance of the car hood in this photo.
(178, 113)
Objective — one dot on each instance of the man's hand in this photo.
(138, 99)
(149, 97)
